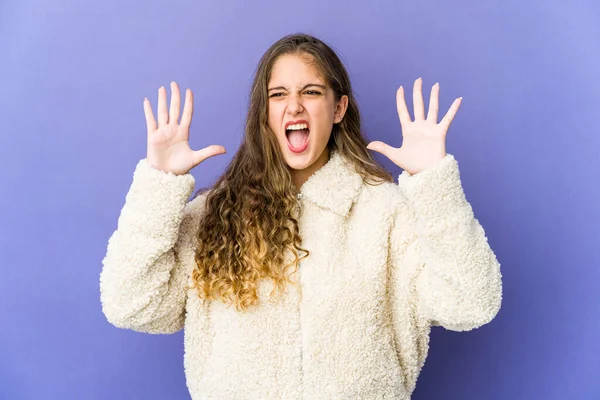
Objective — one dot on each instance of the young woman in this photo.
(305, 272)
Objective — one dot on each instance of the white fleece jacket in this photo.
(386, 263)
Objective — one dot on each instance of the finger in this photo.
(418, 99)
(207, 152)
(382, 148)
(175, 103)
(188, 109)
(401, 106)
(447, 120)
(150, 121)
(432, 114)
(163, 116)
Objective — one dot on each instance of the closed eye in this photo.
(276, 95)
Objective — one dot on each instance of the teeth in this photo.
(297, 127)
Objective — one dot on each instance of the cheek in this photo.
(274, 117)
(323, 116)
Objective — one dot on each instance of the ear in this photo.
(340, 109)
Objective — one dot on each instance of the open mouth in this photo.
(297, 135)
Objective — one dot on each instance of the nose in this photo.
(294, 105)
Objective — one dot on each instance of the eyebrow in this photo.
(305, 86)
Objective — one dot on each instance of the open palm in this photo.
(168, 146)
(424, 139)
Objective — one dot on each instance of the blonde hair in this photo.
(249, 224)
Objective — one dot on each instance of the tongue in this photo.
(298, 138)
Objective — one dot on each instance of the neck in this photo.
(299, 176)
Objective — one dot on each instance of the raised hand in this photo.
(424, 139)
(168, 146)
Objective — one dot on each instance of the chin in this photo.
(299, 161)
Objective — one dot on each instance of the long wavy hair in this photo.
(249, 227)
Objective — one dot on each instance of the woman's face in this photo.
(302, 111)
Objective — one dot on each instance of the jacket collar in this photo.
(335, 186)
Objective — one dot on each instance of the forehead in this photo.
(295, 70)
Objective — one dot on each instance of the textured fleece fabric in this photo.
(386, 263)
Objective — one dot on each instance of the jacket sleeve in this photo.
(456, 280)
(143, 277)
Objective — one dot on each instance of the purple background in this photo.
(73, 75)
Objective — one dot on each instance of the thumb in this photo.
(382, 148)
(207, 152)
